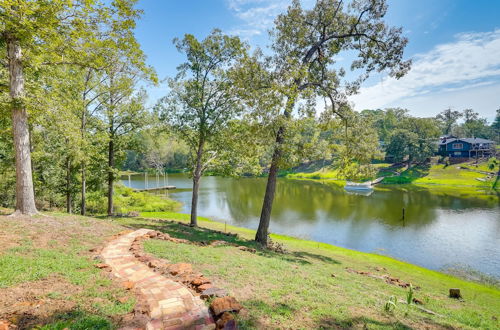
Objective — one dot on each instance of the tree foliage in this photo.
(203, 99)
(303, 66)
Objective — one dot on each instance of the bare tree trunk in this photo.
(267, 205)
(25, 196)
(69, 209)
(111, 165)
(196, 184)
(83, 205)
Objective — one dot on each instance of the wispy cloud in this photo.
(471, 60)
(257, 16)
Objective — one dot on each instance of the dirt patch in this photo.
(387, 278)
(48, 231)
(40, 302)
(8, 240)
(33, 303)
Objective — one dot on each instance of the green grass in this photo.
(297, 290)
(427, 175)
(127, 200)
(78, 320)
(333, 174)
(27, 263)
(440, 174)
(49, 256)
(292, 290)
(452, 175)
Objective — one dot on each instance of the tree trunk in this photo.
(83, 206)
(68, 186)
(267, 205)
(196, 184)
(111, 165)
(25, 196)
(83, 203)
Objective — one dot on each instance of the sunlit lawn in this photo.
(297, 289)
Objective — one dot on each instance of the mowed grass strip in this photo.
(297, 290)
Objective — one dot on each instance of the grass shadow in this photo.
(205, 236)
(325, 259)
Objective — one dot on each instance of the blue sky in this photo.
(455, 46)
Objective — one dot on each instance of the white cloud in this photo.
(257, 16)
(468, 64)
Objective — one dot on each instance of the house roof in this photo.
(476, 140)
(468, 140)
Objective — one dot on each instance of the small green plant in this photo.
(492, 163)
(390, 305)
(409, 295)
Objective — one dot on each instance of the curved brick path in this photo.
(171, 305)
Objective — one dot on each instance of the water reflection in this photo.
(438, 229)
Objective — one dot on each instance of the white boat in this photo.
(358, 186)
(359, 192)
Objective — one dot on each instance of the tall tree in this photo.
(475, 126)
(356, 144)
(496, 127)
(414, 141)
(305, 45)
(203, 99)
(45, 33)
(448, 118)
(123, 111)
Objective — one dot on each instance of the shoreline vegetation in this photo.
(436, 175)
(295, 284)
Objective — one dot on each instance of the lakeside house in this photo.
(465, 147)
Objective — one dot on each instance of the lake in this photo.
(439, 230)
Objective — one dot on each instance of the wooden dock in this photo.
(157, 188)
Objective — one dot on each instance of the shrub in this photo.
(127, 200)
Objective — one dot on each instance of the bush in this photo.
(96, 202)
(127, 200)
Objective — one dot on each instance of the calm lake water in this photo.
(439, 230)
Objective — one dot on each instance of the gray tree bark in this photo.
(25, 196)
(196, 184)
(111, 177)
(69, 202)
(267, 205)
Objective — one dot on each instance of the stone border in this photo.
(168, 304)
(222, 306)
(168, 294)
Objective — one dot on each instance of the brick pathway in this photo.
(171, 305)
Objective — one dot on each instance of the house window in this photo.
(457, 153)
(457, 146)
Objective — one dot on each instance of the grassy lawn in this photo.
(451, 175)
(429, 175)
(296, 290)
(328, 173)
(48, 279)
